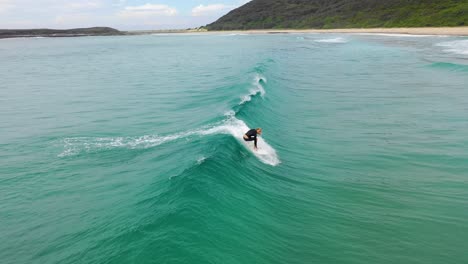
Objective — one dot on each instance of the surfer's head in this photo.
(259, 131)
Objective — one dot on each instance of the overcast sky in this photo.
(120, 14)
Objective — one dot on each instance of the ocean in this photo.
(128, 149)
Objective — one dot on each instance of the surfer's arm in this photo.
(255, 142)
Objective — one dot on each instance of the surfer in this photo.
(251, 135)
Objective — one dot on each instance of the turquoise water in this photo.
(127, 149)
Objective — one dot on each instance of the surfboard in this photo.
(264, 151)
(258, 151)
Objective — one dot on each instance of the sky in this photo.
(120, 14)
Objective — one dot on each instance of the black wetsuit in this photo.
(252, 136)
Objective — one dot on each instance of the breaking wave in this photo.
(332, 40)
(229, 126)
(456, 46)
(257, 89)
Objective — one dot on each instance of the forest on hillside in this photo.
(326, 14)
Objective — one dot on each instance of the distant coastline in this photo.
(77, 32)
(104, 31)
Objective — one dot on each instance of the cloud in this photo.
(84, 5)
(210, 10)
(147, 10)
(119, 2)
(75, 20)
(5, 5)
(121, 14)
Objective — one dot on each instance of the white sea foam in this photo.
(232, 35)
(398, 35)
(332, 40)
(201, 159)
(456, 46)
(236, 128)
(257, 89)
(265, 153)
(77, 145)
(231, 126)
(177, 34)
(230, 113)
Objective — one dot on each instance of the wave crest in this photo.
(257, 89)
(456, 46)
(332, 40)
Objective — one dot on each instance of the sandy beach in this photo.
(451, 31)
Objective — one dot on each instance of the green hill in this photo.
(300, 14)
(76, 32)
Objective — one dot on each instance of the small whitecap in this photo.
(201, 159)
(332, 40)
(456, 46)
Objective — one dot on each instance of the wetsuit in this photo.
(252, 135)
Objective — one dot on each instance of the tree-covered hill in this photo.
(267, 14)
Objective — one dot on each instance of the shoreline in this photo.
(444, 31)
(427, 31)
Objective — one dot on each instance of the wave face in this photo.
(450, 66)
(129, 149)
